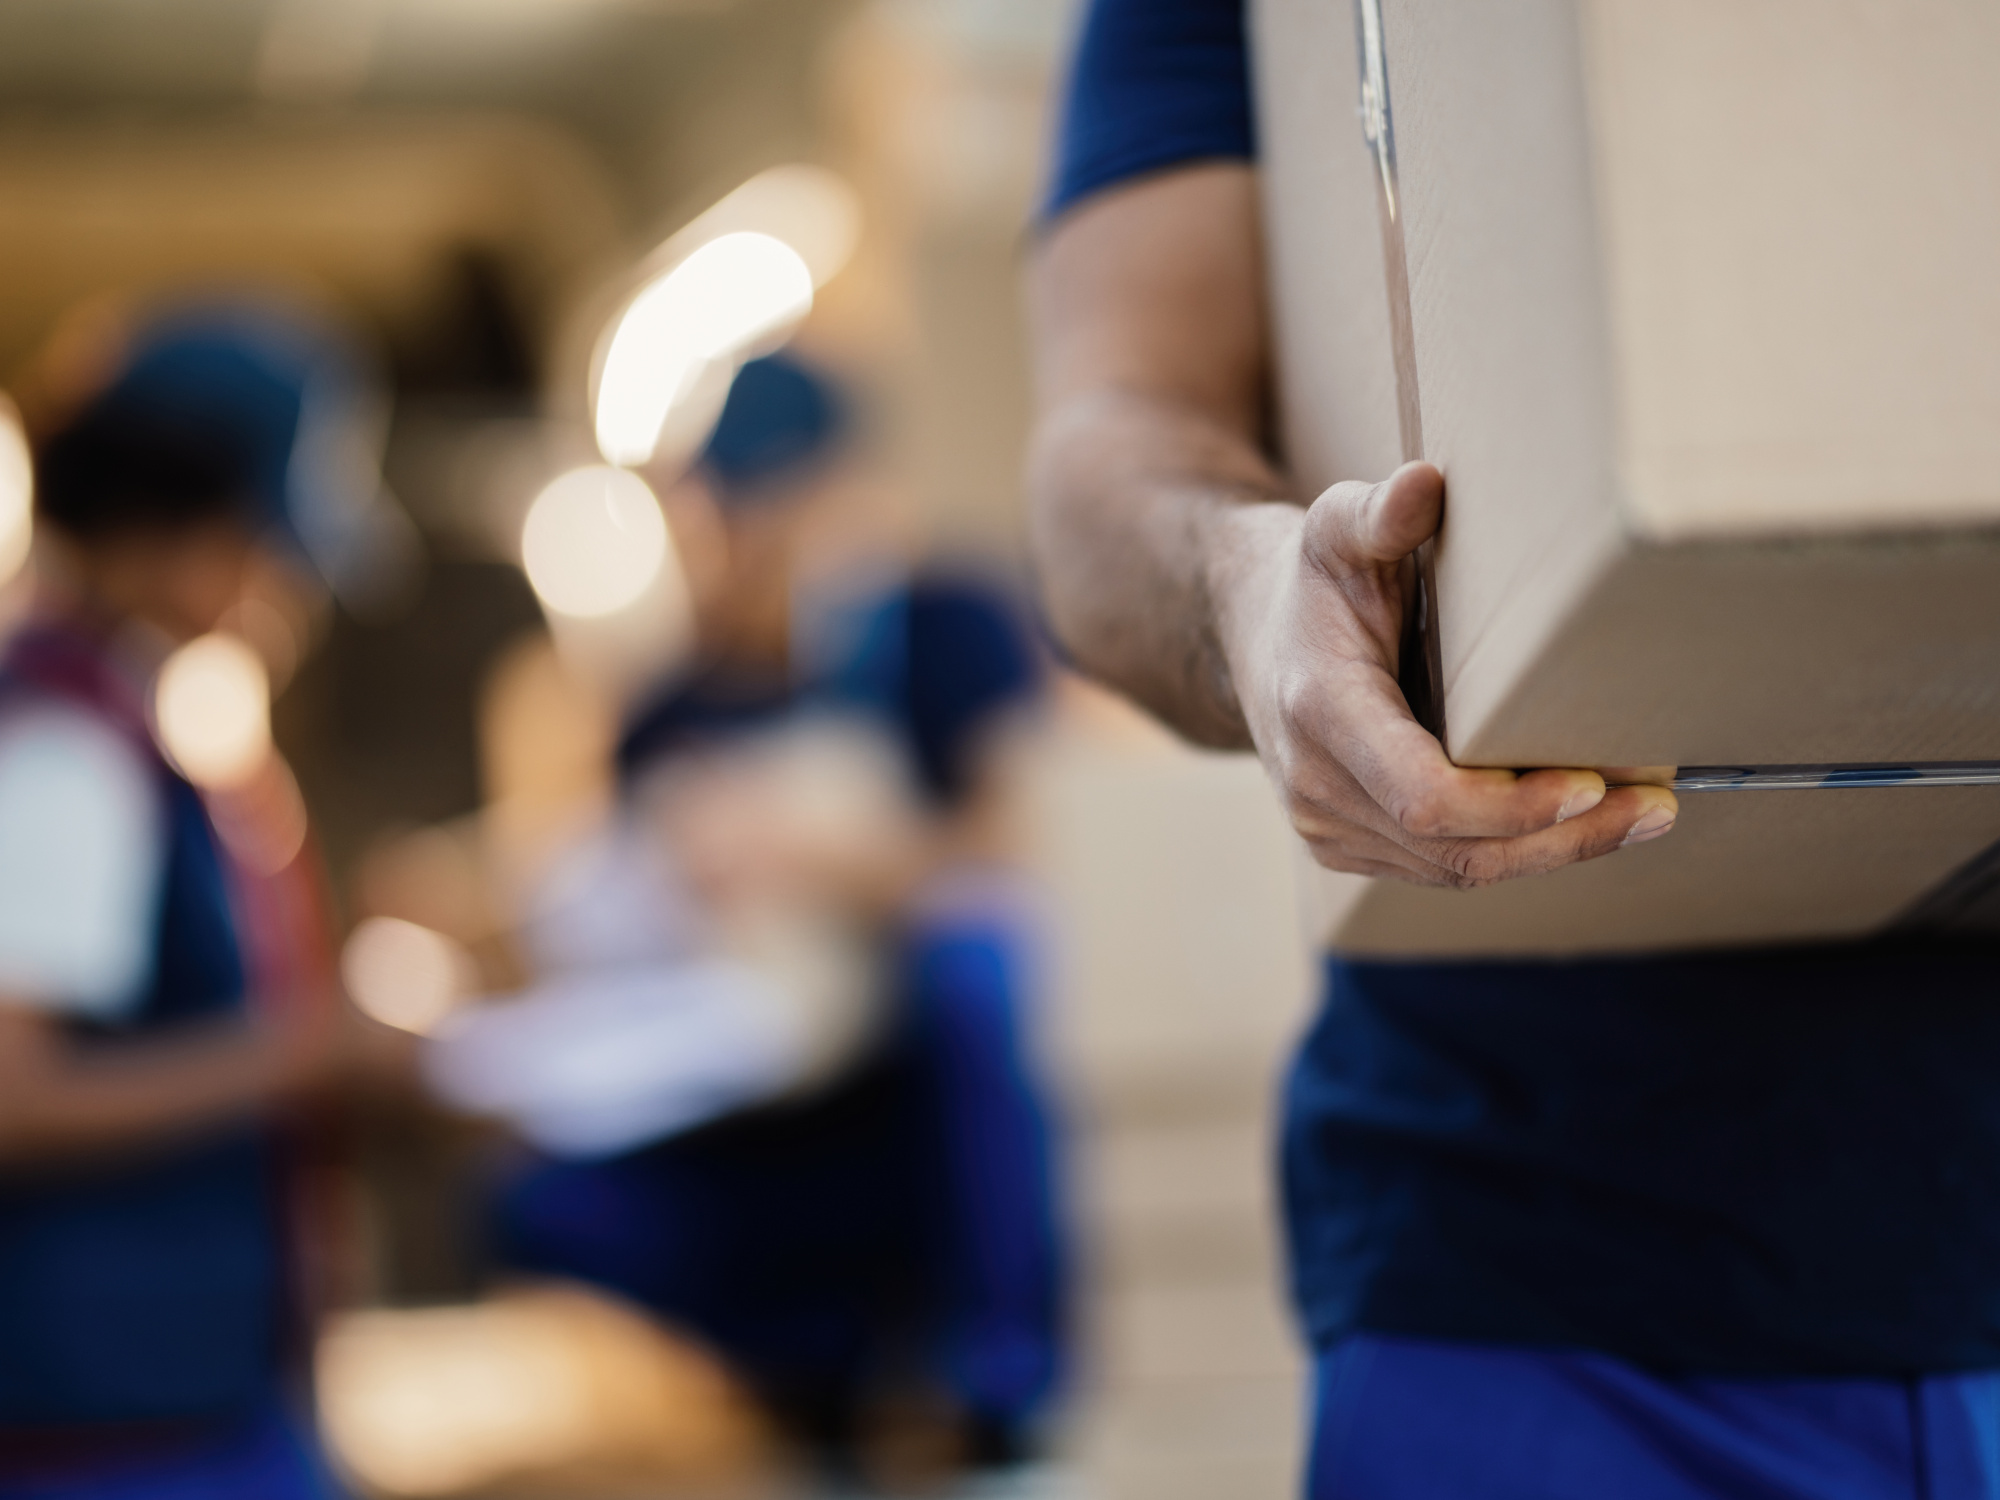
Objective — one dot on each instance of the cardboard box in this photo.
(1702, 323)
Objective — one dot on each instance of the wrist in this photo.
(1251, 557)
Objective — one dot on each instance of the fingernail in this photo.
(1580, 801)
(1655, 823)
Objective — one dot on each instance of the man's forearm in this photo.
(64, 1104)
(1151, 520)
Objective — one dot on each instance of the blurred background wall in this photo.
(477, 183)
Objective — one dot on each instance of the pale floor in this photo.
(1183, 984)
(1196, 1383)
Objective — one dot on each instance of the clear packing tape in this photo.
(1805, 778)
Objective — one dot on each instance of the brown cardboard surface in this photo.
(1885, 650)
(1739, 868)
(1707, 341)
(1338, 405)
(1800, 201)
(1512, 345)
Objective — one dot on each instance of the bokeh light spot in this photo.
(725, 300)
(594, 541)
(813, 210)
(212, 708)
(405, 975)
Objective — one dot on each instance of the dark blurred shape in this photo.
(381, 724)
(119, 465)
(971, 662)
(202, 416)
(781, 421)
(477, 340)
(243, 406)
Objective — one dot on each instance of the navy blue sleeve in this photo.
(1153, 83)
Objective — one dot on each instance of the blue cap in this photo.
(782, 419)
(940, 659)
(252, 397)
(971, 658)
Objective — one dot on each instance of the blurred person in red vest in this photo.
(165, 997)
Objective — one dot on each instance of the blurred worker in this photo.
(161, 1000)
(970, 944)
(891, 1209)
(1660, 1228)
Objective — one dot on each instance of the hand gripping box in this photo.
(1697, 304)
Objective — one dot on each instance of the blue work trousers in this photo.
(1416, 1419)
(916, 1202)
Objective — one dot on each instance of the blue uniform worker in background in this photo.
(152, 1327)
(1670, 1229)
(900, 1221)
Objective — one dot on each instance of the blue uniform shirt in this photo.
(1154, 86)
(1777, 1162)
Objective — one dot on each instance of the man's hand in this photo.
(1178, 568)
(1311, 607)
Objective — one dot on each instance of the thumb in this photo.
(1355, 526)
